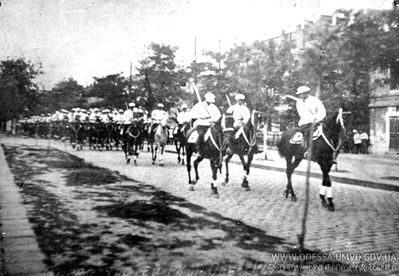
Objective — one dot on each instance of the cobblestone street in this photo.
(365, 221)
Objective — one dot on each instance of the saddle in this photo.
(297, 137)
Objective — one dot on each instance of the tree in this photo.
(18, 91)
(66, 94)
(112, 89)
(158, 77)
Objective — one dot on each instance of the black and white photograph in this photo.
(199, 137)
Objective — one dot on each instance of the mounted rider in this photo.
(205, 114)
(240, 114)
(105, 118)
(239, 111)
(158, 116)
(310, 110)
(127, 117)
(183, 117)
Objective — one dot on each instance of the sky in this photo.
(82, 39)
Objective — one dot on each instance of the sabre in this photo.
(291, 97)
(228, 100)
(195, 88)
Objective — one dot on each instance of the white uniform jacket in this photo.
(205, 114)
(310, 110)
(241, 114)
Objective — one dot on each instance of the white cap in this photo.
(210, 97)
(132, 104)
(183, 106)
(160, 105)
(105, 110)
(302, 89)
(240, 97)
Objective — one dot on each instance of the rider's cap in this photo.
(354, 131)
(132, 104)
(183, 106)
(302, 89)
(160, 105)
(120, 110)
(105, 110)
(210, 97)
(240, 97)
(64, 111)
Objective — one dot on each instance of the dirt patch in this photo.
(92, 220)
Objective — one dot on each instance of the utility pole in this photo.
(195, 60)
(130, 82)
(220, 56)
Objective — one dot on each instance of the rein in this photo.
(339, 120)
(130, 134)
(214, 142)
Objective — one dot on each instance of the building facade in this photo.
(384, 120)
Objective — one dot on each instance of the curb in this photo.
(341, 180)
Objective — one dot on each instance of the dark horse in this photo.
(241, 142)
(132, 140)
(325, 150)
(179, 139)
(211, 149)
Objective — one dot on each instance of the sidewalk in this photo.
(372, 171)
(19, 250)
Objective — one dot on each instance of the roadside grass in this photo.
(77, 171)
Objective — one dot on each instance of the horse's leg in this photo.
(161, 149)
(244, 183)
(326, 188)
(196, 163)
(127, 150)
(188, 165)
(135, 151)
(291, 165)
(183, 148)
(214, 167)
(177, 145)
(226, 161)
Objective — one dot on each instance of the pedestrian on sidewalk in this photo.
(364, 137)
(357, 141)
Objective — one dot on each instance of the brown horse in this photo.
(324, 151)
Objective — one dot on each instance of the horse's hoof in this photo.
(324, 203)
(153, 162)
(128, 161)
(191, 188)
(331, 207)
(293, 198)
(135, 162)
(161, 164)
(245, 185)
(286, 194)
(182, 162)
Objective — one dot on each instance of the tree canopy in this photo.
(18, 90)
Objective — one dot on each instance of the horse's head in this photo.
(335, 123)
(227, 127)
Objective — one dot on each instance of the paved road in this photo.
(366, 220)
